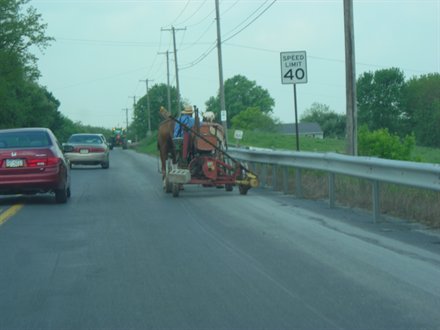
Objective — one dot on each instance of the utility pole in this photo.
(173, 30)
(223, 112)
(126, 111)
(350, 79)
(126, 119)
(148, 108)
(168, 81)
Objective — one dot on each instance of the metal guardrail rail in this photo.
(376, 170)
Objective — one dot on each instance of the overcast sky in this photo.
(104, 48)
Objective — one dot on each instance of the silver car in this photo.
(88, 149)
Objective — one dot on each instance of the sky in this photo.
(104, 50)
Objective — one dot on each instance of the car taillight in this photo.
(35, 162)
(97, 149)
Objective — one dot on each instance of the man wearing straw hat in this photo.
(185, 118)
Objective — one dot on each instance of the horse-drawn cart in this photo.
(201, 158)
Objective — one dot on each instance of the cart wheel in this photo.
(176, 189)
(243, 189)
(229, 187)
(167, 186)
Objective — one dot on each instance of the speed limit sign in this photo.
(293, 67)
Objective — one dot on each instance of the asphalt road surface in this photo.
(122, 254)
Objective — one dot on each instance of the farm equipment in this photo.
(118, 138)
(201, 158)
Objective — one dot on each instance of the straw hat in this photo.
(188, 110)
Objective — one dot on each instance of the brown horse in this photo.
(165, 144)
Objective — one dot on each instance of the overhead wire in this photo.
(213, 46)
(247, 18)
(252, 21)
(193, 14)
(181, 13)
(209, 26)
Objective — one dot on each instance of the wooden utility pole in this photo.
(168, 81)
(350, 79)
(173, 30)
(126, 119)
(223, 111)
(148, 108)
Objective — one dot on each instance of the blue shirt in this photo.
(188, 120)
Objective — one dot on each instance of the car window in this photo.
(86, 139)
(24, 140)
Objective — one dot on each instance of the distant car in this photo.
(31, 162)
(88, 149)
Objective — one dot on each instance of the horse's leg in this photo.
(172, 151)
(163, 160)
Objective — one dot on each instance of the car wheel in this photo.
(105, 165)
(61, 195)
(68, 192)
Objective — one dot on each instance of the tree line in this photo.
(389, 103)
(23, 101)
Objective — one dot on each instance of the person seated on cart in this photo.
(181, 134)
(211, 131)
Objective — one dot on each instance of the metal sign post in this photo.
(294, 71)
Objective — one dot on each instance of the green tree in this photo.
(379, 97)
(21, 29)
(422, 105)
(158, 97)
(22, 101)
(381, 143)
(332, 124)
(254, 119)
(241, 94)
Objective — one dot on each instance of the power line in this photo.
(193, 14)
(247, 18)
(247, 25)
(180, 14)
(213, 46)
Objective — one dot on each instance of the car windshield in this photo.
(24, 140)
(86, 139)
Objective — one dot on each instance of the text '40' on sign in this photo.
(293, 67)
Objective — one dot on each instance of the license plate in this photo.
(14, 162)
(84, 151)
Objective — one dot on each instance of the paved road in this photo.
(123, 255)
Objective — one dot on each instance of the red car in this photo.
(31, 162)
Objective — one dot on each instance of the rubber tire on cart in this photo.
(229, 187)
(243, 189)
(176, 189)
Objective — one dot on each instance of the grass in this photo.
(413, 204)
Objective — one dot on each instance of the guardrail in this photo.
(376, 170)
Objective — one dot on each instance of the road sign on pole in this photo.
(293, 67)
(294, 71)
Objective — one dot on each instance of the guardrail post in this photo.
(274, 177)
(298, 185)
(263, 181)
(331, 190)
(285, 179)
(376, 201)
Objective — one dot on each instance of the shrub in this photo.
(380, 143)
